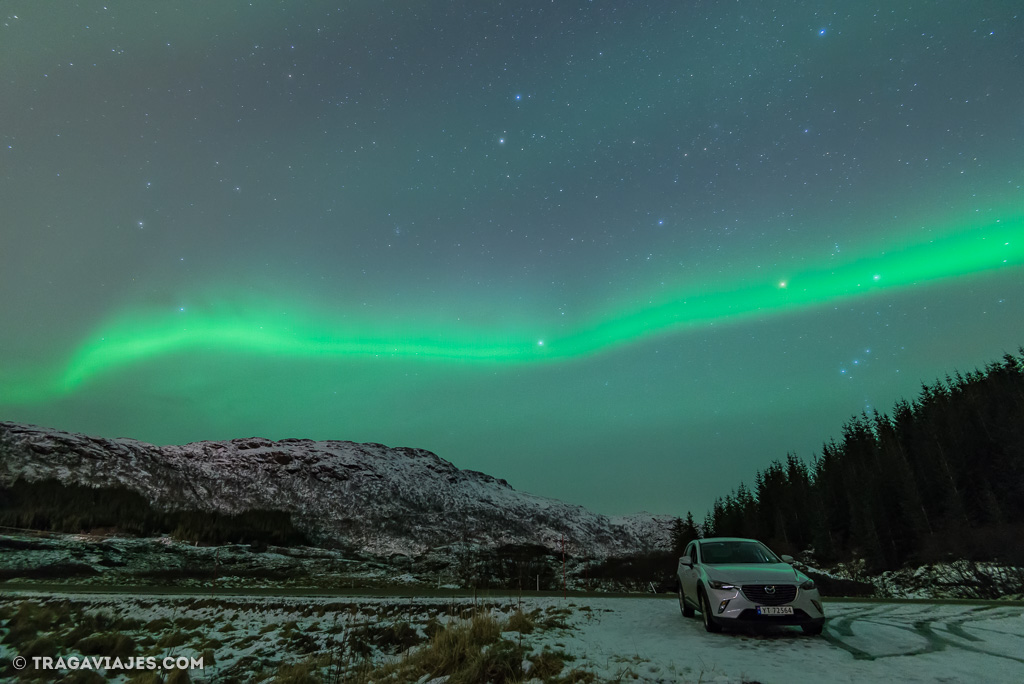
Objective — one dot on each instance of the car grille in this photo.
(769, 594)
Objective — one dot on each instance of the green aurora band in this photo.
(134, 337)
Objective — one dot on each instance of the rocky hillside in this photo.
(379, 499)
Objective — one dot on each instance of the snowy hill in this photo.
(382, 500)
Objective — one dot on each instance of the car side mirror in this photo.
(787, 559)
(687, 561)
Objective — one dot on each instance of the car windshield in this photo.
(723, 552)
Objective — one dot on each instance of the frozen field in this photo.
(863, 642)
(598, 639)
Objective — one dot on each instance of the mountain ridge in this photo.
(382, 500)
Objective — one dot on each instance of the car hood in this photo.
(742, 573)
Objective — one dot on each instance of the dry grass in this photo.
(334, 644)
(521, 622)
(465, 652)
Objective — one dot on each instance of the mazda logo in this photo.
(769, 589)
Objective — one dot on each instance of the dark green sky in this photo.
(619, 253)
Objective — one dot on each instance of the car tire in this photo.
(705, 613)
(812, 630)
(684, 607)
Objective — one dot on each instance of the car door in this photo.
(688, 575)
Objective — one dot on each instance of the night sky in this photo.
(619, 253)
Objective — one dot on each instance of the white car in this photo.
(741, 582)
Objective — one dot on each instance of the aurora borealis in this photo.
(621, 254)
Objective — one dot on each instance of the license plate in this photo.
(775, 610)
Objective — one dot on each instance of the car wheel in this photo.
(812, 630)
(705, 613)
(683, 605)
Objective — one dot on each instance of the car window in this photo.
(689, 551)
(725, 552)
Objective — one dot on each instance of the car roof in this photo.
(727, 539)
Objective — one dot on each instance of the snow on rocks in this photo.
(376, 498)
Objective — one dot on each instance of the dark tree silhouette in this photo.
(683, 532)
(943, 477)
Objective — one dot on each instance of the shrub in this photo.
(172, 640)
(83, 677)
(111, 644)
(547, 664)
(297, 673)
(32, 618)
(43, 646)
(520, 622)
(470, 651)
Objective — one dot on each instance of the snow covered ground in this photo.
(863, 642)
(959, 579)
(615, 639)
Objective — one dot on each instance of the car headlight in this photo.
(809, 584)
(715, 584)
